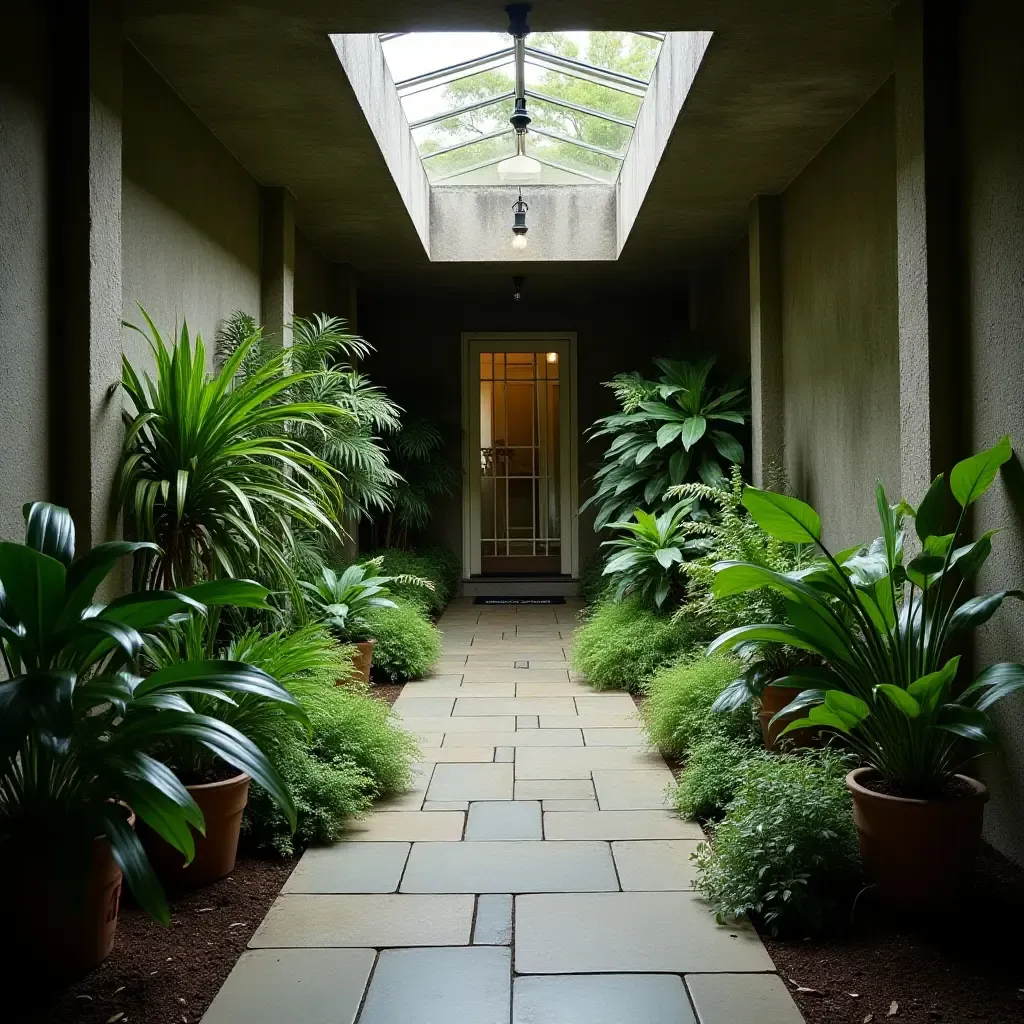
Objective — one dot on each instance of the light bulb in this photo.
(519, 242)
(552, 357)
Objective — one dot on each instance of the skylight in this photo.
(583, 90)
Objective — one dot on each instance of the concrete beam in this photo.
(86, 240)
(343, 294)
(926, 161)
(766, 396)
(277, 270)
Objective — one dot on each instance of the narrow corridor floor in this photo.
(534, 874)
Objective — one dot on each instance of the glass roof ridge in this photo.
(584, 92)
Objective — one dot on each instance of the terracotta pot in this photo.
(222, 804)
(773, 700)
(919, 853)
(363, 659)
(68, 936)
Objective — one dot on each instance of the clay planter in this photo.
(68, 936)
(222, 804)
(363, 659)
(919, 853)
(773, 700)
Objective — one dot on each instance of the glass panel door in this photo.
(520, 463)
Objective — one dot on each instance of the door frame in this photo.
(564, 343)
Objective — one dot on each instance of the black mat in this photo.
(518, 600)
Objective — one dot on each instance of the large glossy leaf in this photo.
(85, 574)
(970, 723)
(728, 447)
(781, 516)
(768, 632)
(50, 530)
(979, 610)
(235, 593)
(852, 709)
(33, 593)
(931, 513)
(970, 479)
(693, 430)
(900, 698)
(930, 690)
(132, 860)
(994, 684)
(40, 702)
(969, 558)
(148, 609)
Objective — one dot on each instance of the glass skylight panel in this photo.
(584, 91)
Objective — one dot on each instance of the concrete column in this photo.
(343, 294)
(277, 272)
(86, 263)
(926, 162)
(766, 400)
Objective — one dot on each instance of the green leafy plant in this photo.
(345, 602)
(77, 720)
(623, 644)
(645, 559)
(785, 854)
(407, 643)
(678, 710)
(435, 564)
(666, 432)
(322, 356)
(213, 471)
(885, 630)
(715, 767)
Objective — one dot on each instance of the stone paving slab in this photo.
(516, 676)
(423, 707)
(440, 986)
(606, 704)
(601, 999)
(625, 737)
(491, 820)
(448, 686)
(742, 999)
(633, 790)
(527, 722)
(349, 867)
(643, 932)
(559, 688)
(618, 825)
(585, 722)
(519, 738)
(579, 762)
(471, 782)
(376, 921)
(477, 706)
(489, 723)
(570, 805)
(554, 789)
(509, 867)
(655, 865)
(442, 755)
(407, 826)
(315, 986)
(412, 798)
(446, 805)
(493, 924)
(477, 689)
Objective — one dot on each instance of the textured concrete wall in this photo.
(191, 215)
(419, 352)
(24, 323)
(840, 341)
(566, 222)
(720, 308)
(992, 130)
(312, 278)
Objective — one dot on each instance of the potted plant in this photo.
(76, 722)
(343, 602)
(219, 788)
(885, 631)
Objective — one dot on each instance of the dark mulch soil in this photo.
(964, 966)
(158, 975)
(387, 691)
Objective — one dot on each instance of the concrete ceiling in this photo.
(778, 80)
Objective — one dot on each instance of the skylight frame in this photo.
(555, 63)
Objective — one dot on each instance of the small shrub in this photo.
(436, 564)
(714, 770)
(678, 712)
(785, 855)
(624, 644)
(407, 645)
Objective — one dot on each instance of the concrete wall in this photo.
(840, 332)
(992, 178)
(419, 346)
(312, 281)
(24, 323)
(191, 215)
(720, 308)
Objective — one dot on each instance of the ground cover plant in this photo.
(623, 644)
(715, 767)
(407, 642)
(785, 854)
(436, 564)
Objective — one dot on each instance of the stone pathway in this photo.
(532, 875)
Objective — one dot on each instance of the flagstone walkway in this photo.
(532, 875)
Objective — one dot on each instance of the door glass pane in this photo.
(520, 489)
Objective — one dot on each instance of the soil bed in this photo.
(963, 966)
(158, 975)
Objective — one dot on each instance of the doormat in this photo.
(518, 600)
